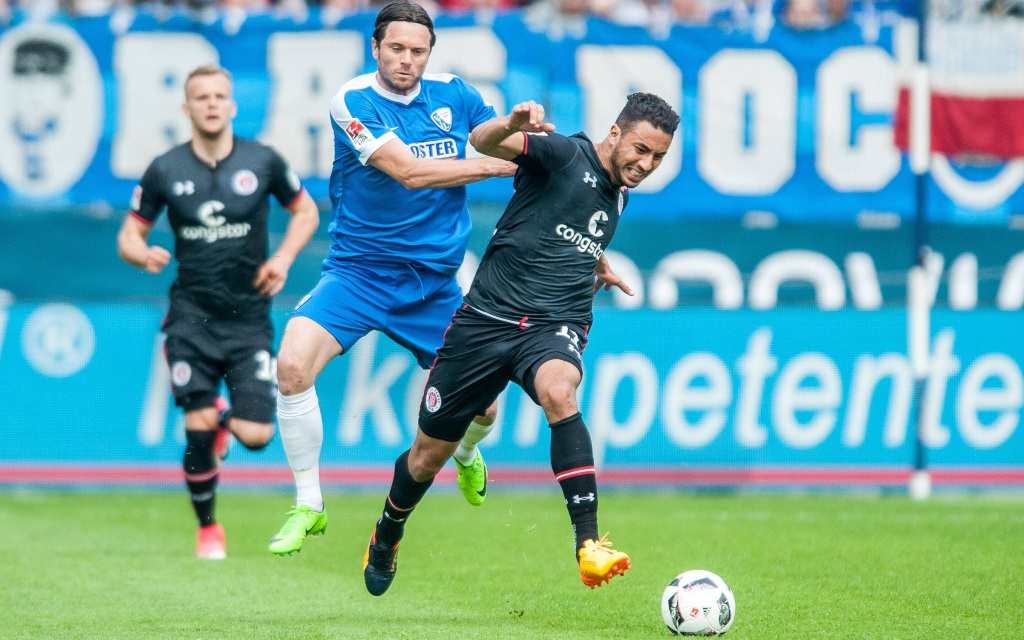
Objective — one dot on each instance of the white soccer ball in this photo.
(698, 603)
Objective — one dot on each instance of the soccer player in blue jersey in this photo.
(399, 231)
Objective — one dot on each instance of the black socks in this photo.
(403, 497)
(201, 473)
(572, 461)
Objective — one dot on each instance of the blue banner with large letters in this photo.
(796, 394)
(799, 124)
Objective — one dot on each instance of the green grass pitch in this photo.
(116, 565)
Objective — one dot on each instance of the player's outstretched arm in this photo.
(497, 137)
(607, 278)
(133, 249)
(395, 159)
(305, 220)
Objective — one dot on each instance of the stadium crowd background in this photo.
(568, 16)
(555, 17)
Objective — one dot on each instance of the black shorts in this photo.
(201, 352)
(478, 359)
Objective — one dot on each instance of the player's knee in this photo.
(558, 397)
(293, 373)
(427, 459)
(425, 466)
(256, 437)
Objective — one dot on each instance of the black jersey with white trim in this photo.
(539, 265)
(219, 218)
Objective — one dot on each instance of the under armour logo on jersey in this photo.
(185, 188)
(597, 219)
(587, 498)
(591, 179)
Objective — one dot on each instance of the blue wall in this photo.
(685, 389)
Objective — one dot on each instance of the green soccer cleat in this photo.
(302, 522)
(473, 479)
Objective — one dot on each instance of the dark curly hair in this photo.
(647, 107)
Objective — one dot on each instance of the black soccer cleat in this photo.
(379, 566)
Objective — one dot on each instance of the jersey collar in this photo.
(394, 97)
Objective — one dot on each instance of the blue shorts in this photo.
(413, 308)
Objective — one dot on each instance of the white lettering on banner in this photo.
(613, 371)
(306, 70)
(868, 372)
(607, 73)
(754, 367)
(867, 160)
(711, 398)
(942, 366)
(692, 403)
(810, 266)
(863, 279)
(1011, 288)
(733, 159)
(792, 396)
(51, 108)
(963, 282)
(366, 393)
(153, 420)
(748, 108)
(1006, 400)
(151, 69)
(713, 267)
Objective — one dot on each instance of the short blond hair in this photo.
(207, 70)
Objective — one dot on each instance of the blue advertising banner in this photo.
(794, 396)
(799, 124)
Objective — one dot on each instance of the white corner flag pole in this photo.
(920, 293)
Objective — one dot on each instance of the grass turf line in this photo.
(82, 565)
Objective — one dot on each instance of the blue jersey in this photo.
(375, 218)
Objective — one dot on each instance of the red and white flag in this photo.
(977, 88)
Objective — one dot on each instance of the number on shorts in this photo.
(573, 337)
(266, 367)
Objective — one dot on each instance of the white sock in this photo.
(307, 488)
(467, 447)
(302, 434)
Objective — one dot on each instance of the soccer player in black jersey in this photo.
(215, 188)
(528, 312)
